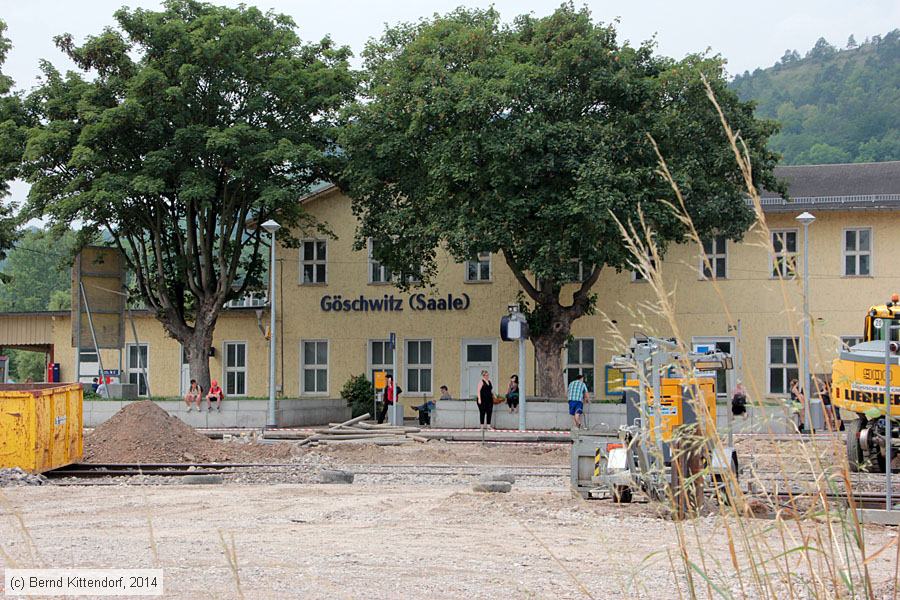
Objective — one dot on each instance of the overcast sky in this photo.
(748, 34)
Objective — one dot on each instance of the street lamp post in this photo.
(271, 227)
(806, 218)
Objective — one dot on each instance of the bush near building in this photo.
(358, 392)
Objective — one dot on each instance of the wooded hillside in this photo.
(834, 105)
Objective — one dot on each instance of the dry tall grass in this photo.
(819, 548)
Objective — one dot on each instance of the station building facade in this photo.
(337, 307)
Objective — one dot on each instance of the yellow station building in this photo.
(336, 307)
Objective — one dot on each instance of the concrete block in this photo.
(335, 476)
(509, 478)
(202, 480)
(879, 516)
(502, 487)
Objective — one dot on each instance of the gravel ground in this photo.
(409, 526)
(379, 540)
(16, 476)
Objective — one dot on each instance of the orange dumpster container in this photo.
(41, 425)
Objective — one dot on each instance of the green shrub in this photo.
(359, 393)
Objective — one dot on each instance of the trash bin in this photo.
(817, 414)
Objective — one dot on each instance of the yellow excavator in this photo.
(858, 386)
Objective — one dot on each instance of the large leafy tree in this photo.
(196, 123)
(36, 278)
(12, 121)
(528, 139)
(37, 272)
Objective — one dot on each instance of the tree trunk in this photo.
(196, 340)
(197, 347)
(548, 348)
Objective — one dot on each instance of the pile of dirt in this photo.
(142, 432)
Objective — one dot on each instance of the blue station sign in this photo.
(392, 303)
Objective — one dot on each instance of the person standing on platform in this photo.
(388, 398)
(485, 399)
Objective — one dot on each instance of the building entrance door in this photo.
(477, 356)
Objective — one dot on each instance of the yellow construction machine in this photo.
(858, 380)
(641, 458)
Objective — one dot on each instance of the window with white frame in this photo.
(848, 341)
(314, 367)
(235, 368)
(479, 270)
(137, 365)
(381, 358)
(418, 366)
(858, 252)
(580, 361)
(378, 273)
(784, 259)
(249, 300)
(638, 275)
(313, 261)
(714, 262)
(577, 272)
(782, 363)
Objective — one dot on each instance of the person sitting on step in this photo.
(215, 394)
(194, 394)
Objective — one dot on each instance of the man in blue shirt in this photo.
(578, 395)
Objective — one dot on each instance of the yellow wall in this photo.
(765, 307)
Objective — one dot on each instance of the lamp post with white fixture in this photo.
(271, 227)
(806, 218)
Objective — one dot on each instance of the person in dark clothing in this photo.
(388, 398)
(512, 394)
(798, 398)
(739, 400)
(425, 409)
(485, 400)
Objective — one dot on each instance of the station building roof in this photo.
(859, 186)
(853, 186)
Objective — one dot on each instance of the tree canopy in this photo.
(196, 123)
(37, 278)
(528, 139)
(12, 120)
(835, 106)
(37, 271)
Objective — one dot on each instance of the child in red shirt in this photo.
(215, 394)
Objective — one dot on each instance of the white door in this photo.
(477, 356)
(724, 379)
(185, 373)
(136, 362)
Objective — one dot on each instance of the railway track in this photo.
(785, 493)
(94, 471)
(859, 499)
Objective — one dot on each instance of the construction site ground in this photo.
(384, 536)
(409, 526)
